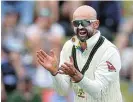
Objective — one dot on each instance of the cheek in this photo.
(75, 29)
(89, 29)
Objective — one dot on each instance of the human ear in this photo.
(96, 24)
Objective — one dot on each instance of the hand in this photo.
(49, 62)
(69, 69)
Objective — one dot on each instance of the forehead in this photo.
(81, 16)
(84, 12)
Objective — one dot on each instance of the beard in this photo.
(84, 33)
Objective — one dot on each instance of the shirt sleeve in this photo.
(62, 82)
(107, 72)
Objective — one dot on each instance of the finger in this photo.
(43, 53)
(65, 71)
(71, 67)
(40, 62)
(40, 58)
(66, 68)
(71, 59)
(60, 72)
(68, 64)
(59, 68)
(39, 53)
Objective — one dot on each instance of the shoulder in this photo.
(108, 49)
(68, 44)
(110, 46)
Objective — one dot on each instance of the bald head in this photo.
(84, 12)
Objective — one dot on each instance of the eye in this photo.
(85, 23)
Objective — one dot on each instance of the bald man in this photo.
(89, 63)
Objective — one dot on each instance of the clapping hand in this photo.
(68, 68)
(48, 61)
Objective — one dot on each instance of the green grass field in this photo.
(128, 97)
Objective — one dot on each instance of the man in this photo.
(94, 65)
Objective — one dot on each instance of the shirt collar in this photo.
(90, 42)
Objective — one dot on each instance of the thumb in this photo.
(71, 59)
(52, 53)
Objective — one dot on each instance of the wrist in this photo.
(54, 70)
(55, 73)
(77, 77)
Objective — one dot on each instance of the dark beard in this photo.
(89, 34)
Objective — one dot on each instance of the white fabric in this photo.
(98, 83)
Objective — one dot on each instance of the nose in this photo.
(80, 26)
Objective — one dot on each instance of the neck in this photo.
(84, 44)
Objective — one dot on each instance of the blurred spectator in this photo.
(12, 34)
(109, 14)
(25, 8)
(8, 73)
(124, 41)
(25, 92)
(43, 33)
(65, 11)
(52, 5)
(46, 35)
(13, 40)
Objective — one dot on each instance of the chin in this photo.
(82, 38)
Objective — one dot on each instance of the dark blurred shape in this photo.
(106, 32)
(66, 10)
(64, 18)
(9, 76)
(109, 15)
(108, 12)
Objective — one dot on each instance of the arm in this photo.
(61, 81)
(49, 62)
(103, 77)
(61, 84)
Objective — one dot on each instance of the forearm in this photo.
(61, 84)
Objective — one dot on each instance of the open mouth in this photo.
(82, 33)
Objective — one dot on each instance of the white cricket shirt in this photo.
(101, 81)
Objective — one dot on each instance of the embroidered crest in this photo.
(73, 39)
(81, 93)
(111, 68)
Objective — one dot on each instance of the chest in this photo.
(82, 60)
